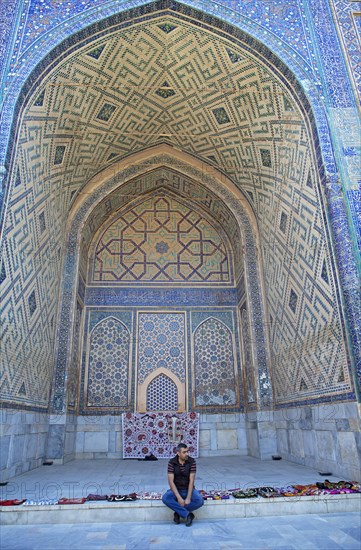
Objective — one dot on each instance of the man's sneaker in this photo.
(189, 519)
(176, 518)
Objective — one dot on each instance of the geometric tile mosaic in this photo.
(347, 18)
(266, 157)
(74, 367)
(257, 117)
(42, 224)
(234, 57)
(189, 186)
(108, 366)
(165, 90)
(173, 185)
(293, 300)
(248, 368)
(96, 53)
(167, 28)
(214, 365)
(160, 240)
(161, 344)
(18, 178)
(162, 394)
(32, 302)
(287, 104)
(39, 102)
(324, 274)
(59, 154)
(315, 365)
(2, 273)
(221, 115)
(283, 222)
(106, 112)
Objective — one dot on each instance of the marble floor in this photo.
(282, 533)
(81, 477)
(111, 476)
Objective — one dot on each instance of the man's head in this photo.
(182, 451)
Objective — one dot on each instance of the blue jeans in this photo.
(170, 500)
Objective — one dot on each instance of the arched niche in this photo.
(215, 365)
(57, 155)
(179, 397)
(107, 374)
(194, 246)
(164, 156)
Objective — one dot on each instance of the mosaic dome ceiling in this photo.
(162, 80)
(167, 79)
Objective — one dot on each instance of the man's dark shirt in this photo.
(181, 471)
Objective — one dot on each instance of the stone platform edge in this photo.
(154, 510)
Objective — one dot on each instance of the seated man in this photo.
(182, 497)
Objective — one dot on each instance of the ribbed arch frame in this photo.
(105, 183)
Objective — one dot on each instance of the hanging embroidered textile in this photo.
(159, 433)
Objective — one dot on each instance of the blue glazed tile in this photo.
(288, 33)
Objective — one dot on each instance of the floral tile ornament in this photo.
(159, 433)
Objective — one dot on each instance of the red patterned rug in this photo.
(159, 433)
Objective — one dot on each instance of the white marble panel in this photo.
(282, 441)
(227, 439)
(119, 442)
(253, 446)
(79, 442)
(17, 449)
(348, 449)
(325, 445)
(309, 443)
(96, 442)
(204, 439)
(31, 445)
(296, 443)
(4, 452)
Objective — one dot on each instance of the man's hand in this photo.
(181, 501)
(187, 501)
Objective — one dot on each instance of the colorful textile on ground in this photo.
(145, 495)
(215, 495)
(12, 502)
(313, 489)
(122, 498)
(267, 492)
(41, 502)
(159, 433)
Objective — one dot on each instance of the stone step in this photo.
(154, 510)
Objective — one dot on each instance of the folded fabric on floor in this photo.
(308, 490)
(312, 489)
(12, 502)
(72, 500)
(145, 495)
(338, 487)
(288, 491)
(325, 487)
(122, 498)
(215, 495)
(41, 502)
(267, 492)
